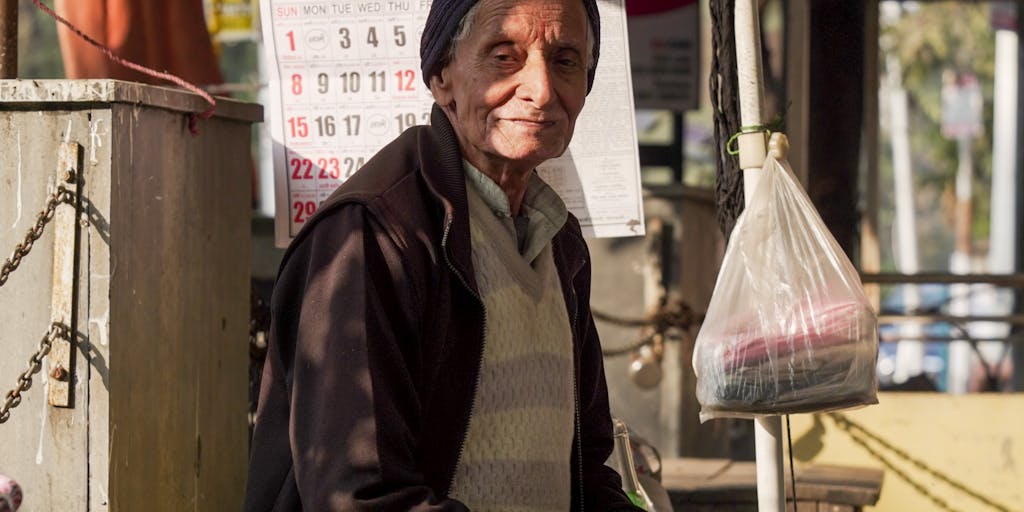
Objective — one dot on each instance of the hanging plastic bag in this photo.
(789, 328)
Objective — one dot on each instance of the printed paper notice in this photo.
(345, 80)
(598, 177)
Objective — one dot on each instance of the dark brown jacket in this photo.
(376, 343)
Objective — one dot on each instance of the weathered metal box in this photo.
(159, 296)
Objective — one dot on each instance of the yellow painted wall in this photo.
(950, 447)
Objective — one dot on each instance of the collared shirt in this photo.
(541, 215)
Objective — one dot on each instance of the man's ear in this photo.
(441, 87)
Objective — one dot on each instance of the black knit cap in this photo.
(443, 21)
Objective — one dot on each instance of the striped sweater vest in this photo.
(518, 448)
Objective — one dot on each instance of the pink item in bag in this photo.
(817, 325)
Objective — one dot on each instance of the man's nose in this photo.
(535, 81)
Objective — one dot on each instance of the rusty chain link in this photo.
(671, 313)
(56, 330)
(35, 363)
(21, 250)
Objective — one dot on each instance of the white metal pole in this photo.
(1004, 148)
(771, 495)
(961, 357)
(909, 352)
(1003, 219)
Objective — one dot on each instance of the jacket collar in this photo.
(442, 170)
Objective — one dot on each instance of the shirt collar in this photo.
(541, 204)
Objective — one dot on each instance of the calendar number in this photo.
(325, 126)
(399, 35)
(377, 81)
(303, 210)
(330, 168)
(409, 119)
(350, 82)
(339, 168)
(302, 168)
(351, 124)
(352, 165)
(298, 126)
(406, 79)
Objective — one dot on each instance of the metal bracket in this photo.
(60, 372)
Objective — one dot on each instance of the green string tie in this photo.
(730, 146)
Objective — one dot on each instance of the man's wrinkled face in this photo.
(517, 82)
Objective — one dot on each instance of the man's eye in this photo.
(504, 57)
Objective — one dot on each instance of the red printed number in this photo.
(298, 126)
(296, 84)
(303, 210)
(302, 168)
(329, 168)
(406, 79)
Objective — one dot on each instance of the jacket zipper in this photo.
(576, 399)
(480, 360)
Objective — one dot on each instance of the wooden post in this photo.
(9, 39)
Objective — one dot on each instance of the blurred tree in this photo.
(38, 51)
(930, 39)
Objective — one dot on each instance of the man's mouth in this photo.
(534, 123)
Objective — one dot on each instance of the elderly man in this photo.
(432, 344)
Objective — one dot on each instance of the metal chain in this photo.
(21, 250)
(35, 363)
(671, 313)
